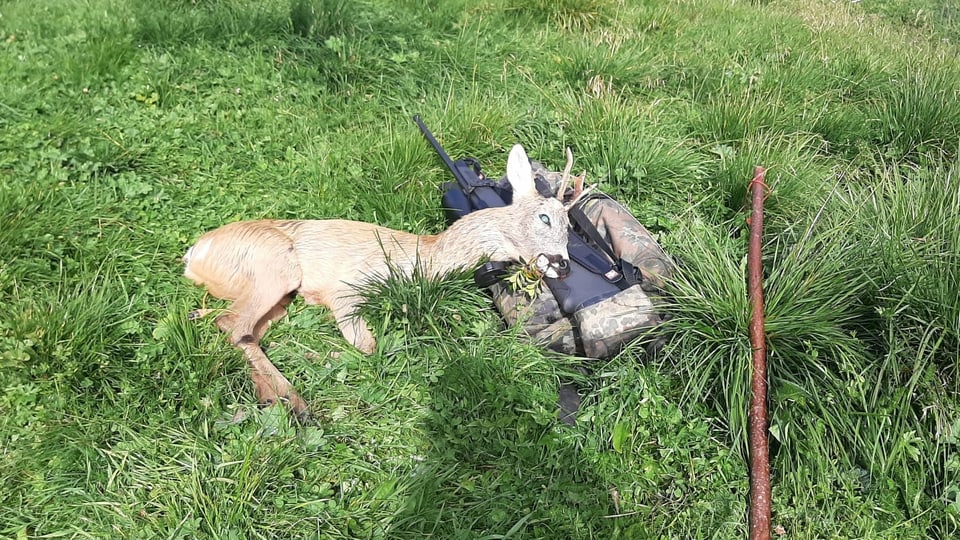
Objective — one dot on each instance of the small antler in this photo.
(578, 181)
(583, 191)
(565, 179)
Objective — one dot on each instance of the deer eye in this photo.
(545, 219)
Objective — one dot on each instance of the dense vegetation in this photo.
(127, 128)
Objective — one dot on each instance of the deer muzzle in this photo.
(553, 266)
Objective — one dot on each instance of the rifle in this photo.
(476, 190)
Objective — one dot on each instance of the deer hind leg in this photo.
(248, 318)
(246, 322)
(270, 385)
(276, 313)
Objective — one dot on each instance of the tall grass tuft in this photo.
(921, 113)
(76, 333)
(566, 14)
(796, 176)
(598, 66)
(416, 305)
(914, 264)
(873, 406)
(726, 118)
(222, 23)
(709, 321)
(624, 142)
(810, 293)
(912, 272)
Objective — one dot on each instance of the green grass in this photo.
(935, 19)
(129, 128)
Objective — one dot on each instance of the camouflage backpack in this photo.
(620, 313)
(617, 272)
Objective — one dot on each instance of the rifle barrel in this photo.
(436, 145)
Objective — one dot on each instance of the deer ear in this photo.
(520, 174)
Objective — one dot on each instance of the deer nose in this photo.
(561, 264)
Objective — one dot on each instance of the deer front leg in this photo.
(351, 325)
(356, 331)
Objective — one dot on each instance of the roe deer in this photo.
(261, 265)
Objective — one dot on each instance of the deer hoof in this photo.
(198, 314)
(297, 406)
(293, 402)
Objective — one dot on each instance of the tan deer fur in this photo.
(261, 265)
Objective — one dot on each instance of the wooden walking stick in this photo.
(759, 447)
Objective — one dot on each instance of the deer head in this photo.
(538, 226)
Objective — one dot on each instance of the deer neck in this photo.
(469, 240)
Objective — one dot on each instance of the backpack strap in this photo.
(629, 272)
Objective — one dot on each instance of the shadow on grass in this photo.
(492, 459)
(499, 462)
